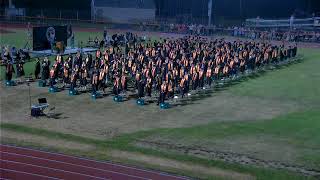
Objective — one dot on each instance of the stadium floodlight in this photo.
(209, 11)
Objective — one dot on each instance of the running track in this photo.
(28, 164)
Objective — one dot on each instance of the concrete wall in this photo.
(124, 15)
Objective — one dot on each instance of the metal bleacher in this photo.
(284, 23)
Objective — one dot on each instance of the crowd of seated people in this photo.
(293, 35)
(181, 28)
(164, 69)
(277, 34)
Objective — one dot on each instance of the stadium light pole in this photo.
(240, 5)
(10, 3)
(159, 10)
(30, 105)
(209, 12)
(93, 11)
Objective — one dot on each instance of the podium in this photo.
(60, 46)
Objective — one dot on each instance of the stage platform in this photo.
(66, 52)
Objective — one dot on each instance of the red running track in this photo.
(28, 164)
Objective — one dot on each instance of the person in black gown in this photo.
(37, 69)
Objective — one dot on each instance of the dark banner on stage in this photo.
(43, 37)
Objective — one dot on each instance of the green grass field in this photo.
(296, 83)
(292, 138)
